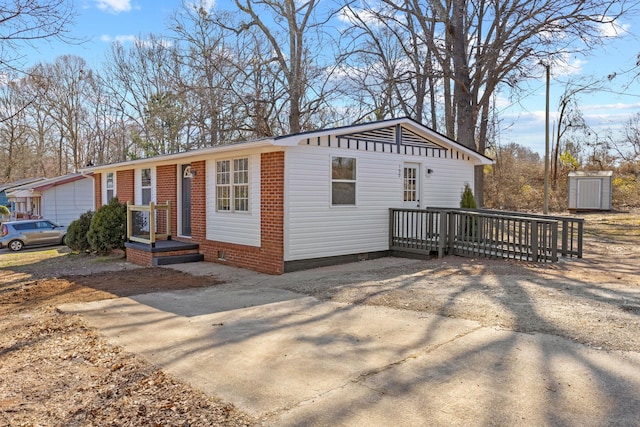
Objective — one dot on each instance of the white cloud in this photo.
(114, 6)
(121, 38)
(609, 107)
(565, 65)
(207, 5)
(613, 29)
(130, 38)
(147, 43)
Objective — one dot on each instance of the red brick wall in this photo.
(145, 258)
(269, 257)
(199, 201)
(97, 182)
(125, 181)
(139, 257)
(167, 190)
(272, 211)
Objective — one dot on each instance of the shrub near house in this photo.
(4, 213)
(108, 230)
(77, 233)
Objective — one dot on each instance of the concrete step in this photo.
(177, 259)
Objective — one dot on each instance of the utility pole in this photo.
(546, 148)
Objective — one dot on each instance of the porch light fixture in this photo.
(188, 173)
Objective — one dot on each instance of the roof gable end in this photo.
(397, 135)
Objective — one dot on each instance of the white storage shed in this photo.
(590, 191)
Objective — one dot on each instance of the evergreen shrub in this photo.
(467, 200)
(77, 233)
(108, 230)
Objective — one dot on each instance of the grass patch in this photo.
(30, 256)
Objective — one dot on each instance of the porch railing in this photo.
(484, 233)
(148, 223)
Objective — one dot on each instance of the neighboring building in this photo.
(4, 188)
(62, 199)
(590, 191)
(290, 202)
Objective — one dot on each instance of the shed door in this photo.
(589, 193)
(411, 185)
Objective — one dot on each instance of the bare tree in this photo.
(108, 138)
(23, 22)
(210, 73)
(13, 132)
(294, 33)
(628, 147)
(570, 120)
(480, 45)
(65, 86)
(143, 78)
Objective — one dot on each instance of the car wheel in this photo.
(64, 240)
(16, 245)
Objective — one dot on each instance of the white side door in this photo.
(411, 185)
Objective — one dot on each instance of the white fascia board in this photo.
(172, 158)
(23, 193)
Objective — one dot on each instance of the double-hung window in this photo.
(343, 181)
(232, 185)
(145, 185)
(110, 186)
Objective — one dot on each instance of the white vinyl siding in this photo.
(443, 187)
(240, 227)
(66, 202)
(314, 228)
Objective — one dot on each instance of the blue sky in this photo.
(103, 21)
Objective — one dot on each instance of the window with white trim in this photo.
(232, 185)
(110, 186)
(145, 185)
(343, 181)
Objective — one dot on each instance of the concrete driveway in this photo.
(291, 359)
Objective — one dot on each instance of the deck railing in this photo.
(570, 230)
(148, 223)
(484, 233)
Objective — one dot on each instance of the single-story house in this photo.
(296, 201)
(8, 186)
(62, 199)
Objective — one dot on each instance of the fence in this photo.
(148, 223)
(484, 233)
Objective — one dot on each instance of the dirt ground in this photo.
(56, 371)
